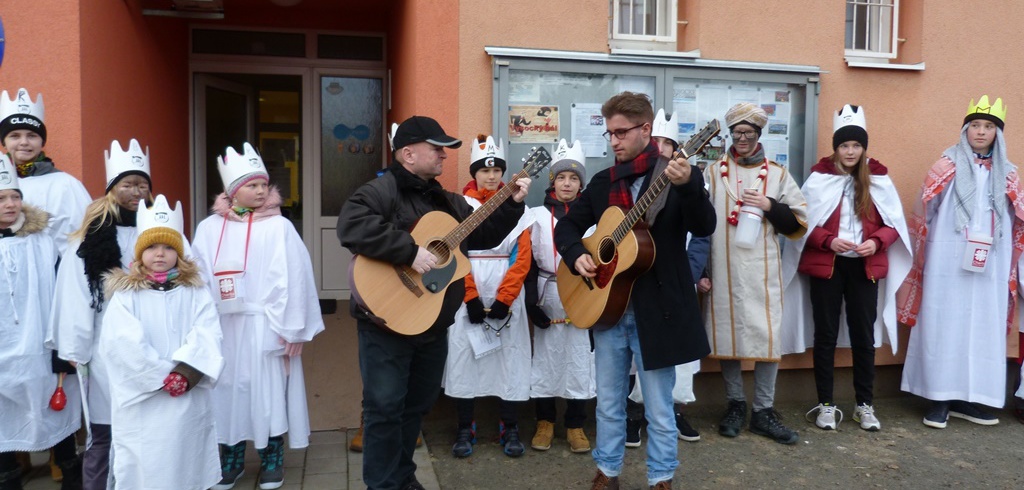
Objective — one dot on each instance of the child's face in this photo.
(253, 194)
(567, 186)
(488, 178)
(980, 135)
(10, 206)
(23, 145)
(159, 257)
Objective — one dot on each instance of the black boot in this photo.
(734, 418)
(765, 422)
(72, 471)
(11, 480)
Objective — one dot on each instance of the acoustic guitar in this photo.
(401, 300)
(623, 249)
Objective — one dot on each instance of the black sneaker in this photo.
(686, 432)
(734, 419)
(271, 478)
(971, 412)
(937, 415)
(766, 423)
(633, 427)
(413, 484)
(513, 447)
(464, 440)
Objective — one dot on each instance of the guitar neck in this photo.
(455, 237)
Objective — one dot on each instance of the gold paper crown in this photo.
(997, 110)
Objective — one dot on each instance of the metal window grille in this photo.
(871, 27)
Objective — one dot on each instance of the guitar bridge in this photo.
(407, 281)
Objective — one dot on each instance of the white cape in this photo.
(61, 195)
(262, 392)
(823, 193)
(162, 442)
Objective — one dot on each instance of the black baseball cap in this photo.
(418, 129)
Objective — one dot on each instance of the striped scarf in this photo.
(624, 173)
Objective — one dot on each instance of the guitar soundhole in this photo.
(438, 248)
(606, 251)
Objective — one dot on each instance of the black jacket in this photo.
(376, 219)
(664, 301)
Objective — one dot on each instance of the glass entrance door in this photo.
(353, 149)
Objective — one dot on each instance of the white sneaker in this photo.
(865, 414)
(826, 416)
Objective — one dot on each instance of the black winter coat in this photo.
(376, 219)
(664, 301)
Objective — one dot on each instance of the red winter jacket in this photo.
(818, 259)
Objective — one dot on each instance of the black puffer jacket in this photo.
(376, 220)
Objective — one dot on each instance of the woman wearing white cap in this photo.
(857, 253)
(32, 420)
(743, 312)
(105, 242)
(261, 278)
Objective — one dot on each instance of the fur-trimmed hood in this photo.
(36, 220)
(121, 280)
(272, 207)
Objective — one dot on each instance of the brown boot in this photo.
(356, 444)
(542, 438)
(663, 485)
(55, 472)
(578, 442)
(602, 482)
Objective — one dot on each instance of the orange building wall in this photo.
(135, 85)
(571, 25)
(57, 79)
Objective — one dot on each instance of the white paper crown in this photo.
(8, 174)
(120, 161)
(849, 117)
(665, 127)
(160, 215)
(21, 104)
(233, 166)
(391, 136)
(486, 149)
(566, 152)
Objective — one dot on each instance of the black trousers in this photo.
(575, 412)
(64, 451)
(508, 410)
(848, 283)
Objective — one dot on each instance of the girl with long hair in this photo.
(848, 257)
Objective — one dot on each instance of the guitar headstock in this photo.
(536, 161)
(699, 140)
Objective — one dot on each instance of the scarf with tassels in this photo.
(100, 252)
(965, 188)
(624, 173)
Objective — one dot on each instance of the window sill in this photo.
(884, 66)
(653, 52)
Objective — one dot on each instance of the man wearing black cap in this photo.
(402, 374)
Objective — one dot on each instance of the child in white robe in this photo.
(162, 342)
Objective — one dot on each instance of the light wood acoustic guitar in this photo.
(623, 249)
(404, 301)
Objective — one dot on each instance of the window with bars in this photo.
(644, 20)
(871, 28)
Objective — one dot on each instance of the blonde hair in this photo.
(101, 211)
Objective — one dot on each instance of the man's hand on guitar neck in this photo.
(524, 188)
(424, 261)
(678, 171)
(585, 266)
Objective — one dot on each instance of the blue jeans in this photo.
(614, 349)
(401, 381)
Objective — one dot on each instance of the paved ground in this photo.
(325, 465)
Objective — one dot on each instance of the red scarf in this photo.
(626, 172)
(479, 194)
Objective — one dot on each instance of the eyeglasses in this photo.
(619, 133)
(736, 135)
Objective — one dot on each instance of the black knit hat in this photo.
(850, 133)
(15, 122)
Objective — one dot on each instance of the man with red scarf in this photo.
(661, 326)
